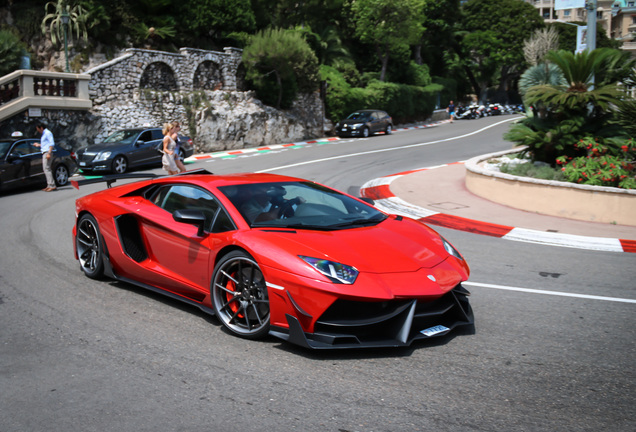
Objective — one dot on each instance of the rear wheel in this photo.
(89, 247)
(120, 165)
(239, 296)
(61, 175)
(389, 130)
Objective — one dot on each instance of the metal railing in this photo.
(24, 89)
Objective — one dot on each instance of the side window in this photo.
(24, 148)
(180, 197)
(146, 136)
(156, 134)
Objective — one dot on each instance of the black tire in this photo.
(120, 165)
(389, 130)
(89, 247)
(365, 132)
(182, 155)
(60, 174)
(239, 296)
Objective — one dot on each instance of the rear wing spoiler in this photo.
(112, 178)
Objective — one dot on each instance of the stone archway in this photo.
(208, 76)
(159, 76)
(241, 85)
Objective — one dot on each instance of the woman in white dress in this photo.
(169, 147)
(175, 136)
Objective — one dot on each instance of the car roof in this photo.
(215, 180)
(14, 139)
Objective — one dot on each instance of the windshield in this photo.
(302, 205)
(364, 116)
(4, 148)
(126, 136)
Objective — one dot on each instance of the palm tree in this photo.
(580, 92)
(581, 106)
(54, 21)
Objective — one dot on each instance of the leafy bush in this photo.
(403, 102)
(607, 163)
(534, 170)
(280, 63)
(10, 52)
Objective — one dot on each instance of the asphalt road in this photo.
(84, 355)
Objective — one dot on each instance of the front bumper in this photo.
(395, 323)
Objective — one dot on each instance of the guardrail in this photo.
(25, 89)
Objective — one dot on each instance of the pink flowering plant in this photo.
(606, 163)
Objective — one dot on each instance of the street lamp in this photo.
(65, 19)
(591, 25)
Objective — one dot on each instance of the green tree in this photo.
(214, 20)
(10, 52)
(387, 25)
(279, 63)
(491, 48)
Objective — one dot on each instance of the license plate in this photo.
(432, 331)
(82, 163)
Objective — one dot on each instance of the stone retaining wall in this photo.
(568, 200)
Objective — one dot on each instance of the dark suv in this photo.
(364, 123)
(127, 149)
(21, 163)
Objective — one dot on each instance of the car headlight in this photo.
(336, 272)
(102, 156)
(450, 249)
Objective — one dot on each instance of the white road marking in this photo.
(367, 152)
(554, 293)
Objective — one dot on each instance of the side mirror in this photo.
(367, 200)
(140, 142)
(192, 217)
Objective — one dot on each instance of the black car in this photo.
(364, 123)
(127, 149)
(21, 163)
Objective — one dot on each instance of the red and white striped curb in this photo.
(379, 190)
(238, 152)
(229, 153)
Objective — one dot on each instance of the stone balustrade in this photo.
(25, 89)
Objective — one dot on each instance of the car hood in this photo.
(390, 247)
(96, 148)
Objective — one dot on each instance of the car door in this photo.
(23, 164)
(378, 124)
(145, 152)
(182, 257)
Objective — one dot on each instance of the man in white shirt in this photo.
(47, 145)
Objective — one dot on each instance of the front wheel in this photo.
(239, 296)
(365, 132)
(120, 165)
(89, 247)
(61, 175)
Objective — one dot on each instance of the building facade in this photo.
(617, 18)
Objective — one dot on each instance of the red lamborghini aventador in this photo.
(270, 254)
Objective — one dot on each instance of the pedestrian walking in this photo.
(169, 148)
(451, 110)
(47, 145)
(175, 136)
